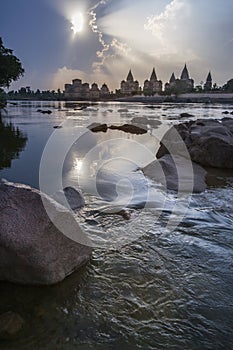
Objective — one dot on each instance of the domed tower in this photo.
(104, 91)
(94, 91)
(129, 86)
(171, 83)
(153, 85)
(186, 83)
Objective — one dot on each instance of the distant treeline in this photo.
(28, 94)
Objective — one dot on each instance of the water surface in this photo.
(162, 288)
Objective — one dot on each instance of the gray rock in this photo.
(32, 249)
(208, 142)
(144, 122)
(177, 173)
(228, 122)
(129, 128)
(98, 127)
(72, 195)
(186, 115)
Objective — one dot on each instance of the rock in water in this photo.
(208, 142)
(32, 249)
(177, 173)
(72, 195)
(10, 324)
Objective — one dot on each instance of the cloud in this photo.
(110, 50)
(93, 25)
(65, 75)
(169, 26)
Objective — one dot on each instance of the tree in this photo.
(228, 87)
(10, 66)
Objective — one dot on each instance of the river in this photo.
(149, 285)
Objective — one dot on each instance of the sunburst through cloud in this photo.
(77, 23)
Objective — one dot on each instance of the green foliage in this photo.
(10, 66)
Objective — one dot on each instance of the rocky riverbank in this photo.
(188, 149)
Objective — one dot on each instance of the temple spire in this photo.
(209, 77)
(153, 76)
(130, 76)
(185, 73)
(173, 78)
(208, 83)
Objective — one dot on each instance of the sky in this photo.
(100, 40)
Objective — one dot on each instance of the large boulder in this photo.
(32, 249)
(207, 142)
(70, 197)
(177, 173)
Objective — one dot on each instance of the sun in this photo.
(77, 22)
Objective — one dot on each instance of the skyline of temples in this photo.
(79, 90)
(129, 87)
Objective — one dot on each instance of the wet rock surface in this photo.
(207, 142)
(32, 249)
(177, 173)
(128, 128)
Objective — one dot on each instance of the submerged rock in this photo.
(123, 110)
(129, 128)
(208, 142)
(10, 324)
(32, 249)
(144, 121)
(177, 173)
(186, 115)
(98, 127)
(47, 111)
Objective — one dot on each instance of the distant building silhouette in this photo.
(130, 86)
(208, 84)
(82, 91)
(104, 91)
(94, 91)
(184, 84)
(185, 73)
(171, 83)
(153, 85)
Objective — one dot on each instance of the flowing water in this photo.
(149, 285)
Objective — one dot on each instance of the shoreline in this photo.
(183, 98)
